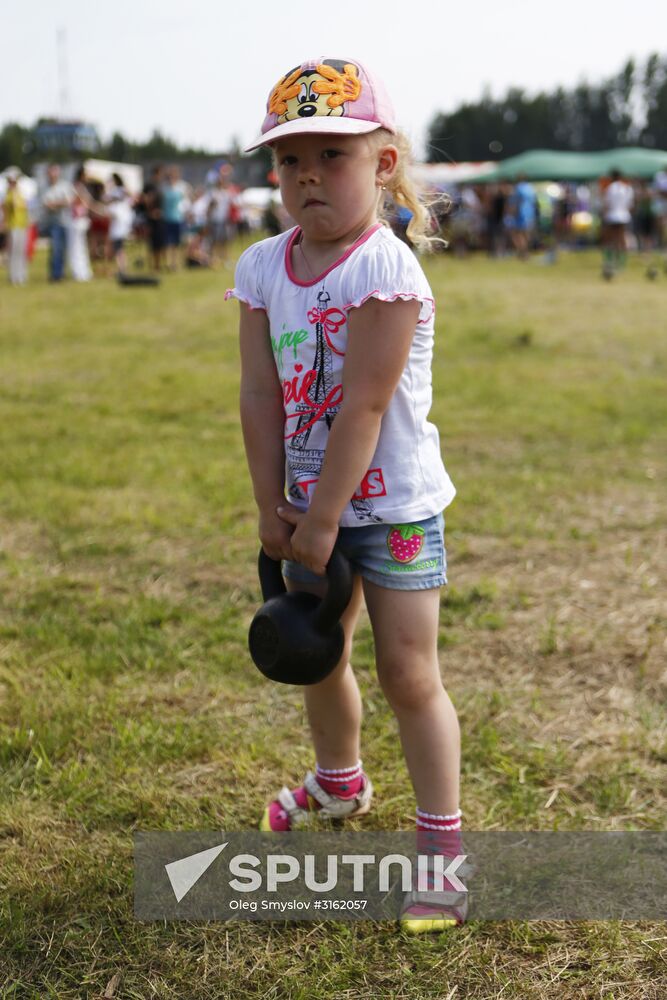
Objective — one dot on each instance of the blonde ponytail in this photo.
(406, 193)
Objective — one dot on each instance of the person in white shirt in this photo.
(336, 342)
(219, 203)
(121, 215)
(617, 202)
(56, 212)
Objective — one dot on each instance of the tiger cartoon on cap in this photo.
(320, 91)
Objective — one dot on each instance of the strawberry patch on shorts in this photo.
(405, 542)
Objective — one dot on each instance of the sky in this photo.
(201, 71)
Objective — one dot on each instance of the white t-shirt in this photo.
(219, 201)
(121, 218)
(617, 201)
(198, 210)
(406, 479)
(62, 190)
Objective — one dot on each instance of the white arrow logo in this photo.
(186, 871)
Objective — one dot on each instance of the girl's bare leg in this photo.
(405, 627)
(334, 705)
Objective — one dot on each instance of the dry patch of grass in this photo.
(127, 580)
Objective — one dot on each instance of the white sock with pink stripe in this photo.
(438, 821)
(438, 833)
(344, 782)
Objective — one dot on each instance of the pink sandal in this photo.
(435, 910)
(292, 810)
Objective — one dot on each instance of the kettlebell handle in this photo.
(270, 576)
(339, 592)
(336, 599)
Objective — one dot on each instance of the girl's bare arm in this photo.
(262, 422)
(378, 344)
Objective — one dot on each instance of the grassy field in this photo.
(127, 700)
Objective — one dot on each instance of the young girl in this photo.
(336, 336)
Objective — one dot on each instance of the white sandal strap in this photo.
(330, 805)
(313, 787)
(289, 803)
(333, 806)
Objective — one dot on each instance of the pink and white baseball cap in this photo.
(326, 96)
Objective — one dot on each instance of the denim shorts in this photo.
(407, 556)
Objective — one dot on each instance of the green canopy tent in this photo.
(555, 165)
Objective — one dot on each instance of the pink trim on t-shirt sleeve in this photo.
(377, 294)
(234, 293)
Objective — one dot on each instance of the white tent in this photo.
(101, 170)
(441, 176)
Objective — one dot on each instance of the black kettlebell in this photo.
(297, 638)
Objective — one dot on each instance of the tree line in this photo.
(628, 109)
(18, 147)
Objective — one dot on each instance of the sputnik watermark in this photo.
(282, 868)
(350, 875)
(435, 873)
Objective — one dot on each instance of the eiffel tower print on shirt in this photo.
(305, 462)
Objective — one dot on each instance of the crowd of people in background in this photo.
(618, 213)
(88, 223)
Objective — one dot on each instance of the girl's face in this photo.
(330, 184)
